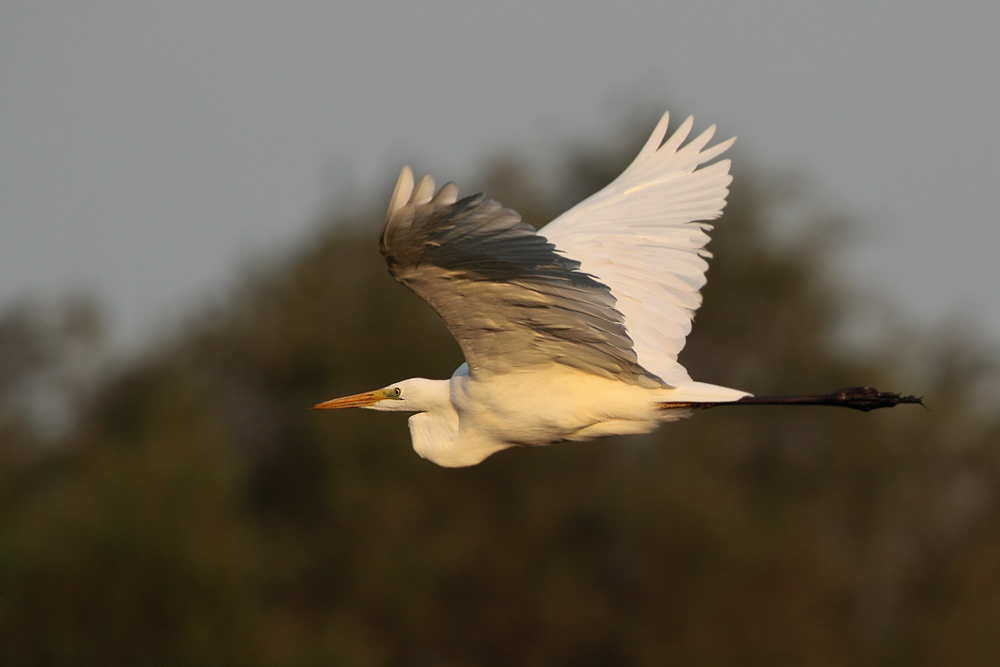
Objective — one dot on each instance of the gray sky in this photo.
(148, 149)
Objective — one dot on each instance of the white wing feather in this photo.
(644, 236)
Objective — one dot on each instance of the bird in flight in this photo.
(571, 332)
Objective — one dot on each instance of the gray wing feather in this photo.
(507, 296)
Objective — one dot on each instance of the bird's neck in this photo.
(425, 395)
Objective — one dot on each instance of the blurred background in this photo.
(191, 198)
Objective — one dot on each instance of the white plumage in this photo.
(569, 333)
(644, 236)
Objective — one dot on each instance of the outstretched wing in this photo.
(644, 236)
(507, 296)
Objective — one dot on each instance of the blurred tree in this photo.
(199, 513)
(49, 358)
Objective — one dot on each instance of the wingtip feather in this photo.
(678, 137)
(447, 195)
(424, 191)
(401, 193)
(656, 138)
(699, 142)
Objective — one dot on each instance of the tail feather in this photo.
(701, 392)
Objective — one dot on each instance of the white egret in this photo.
(571, 332)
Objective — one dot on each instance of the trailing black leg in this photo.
(855, 398)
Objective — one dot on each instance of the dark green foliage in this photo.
(199, 513)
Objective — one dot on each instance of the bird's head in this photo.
(414, 395)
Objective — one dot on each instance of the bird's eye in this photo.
(397, 391)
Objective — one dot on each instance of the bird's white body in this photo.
(571, 333)
(463, 420)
